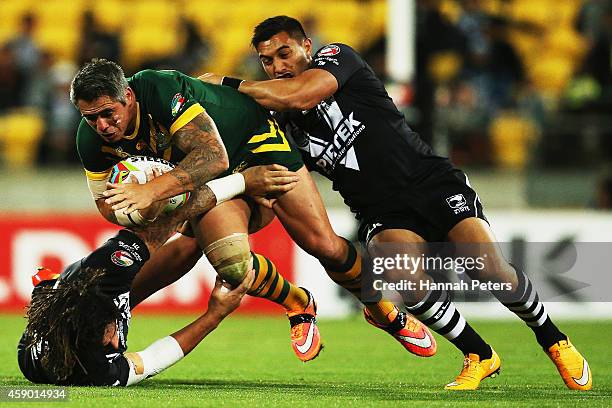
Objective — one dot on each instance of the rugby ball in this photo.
(140, 167)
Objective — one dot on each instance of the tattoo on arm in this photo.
(158, 232)
(206, 156)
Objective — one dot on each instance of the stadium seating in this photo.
(20, 133)
(151, 29)
(511, 136)
(543, 34)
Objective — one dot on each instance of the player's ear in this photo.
(129, 95)
(307, 44)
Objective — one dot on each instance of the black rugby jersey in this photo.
(359, 140)
(122, 257)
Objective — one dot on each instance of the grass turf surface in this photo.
(248, 362)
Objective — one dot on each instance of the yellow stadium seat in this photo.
(12, 10)
(511, 137)
(105, 17)
(493, 7)
(56, 13)
(539, 12)
(159, 13)
(376, 17)
(566, 12)
(230, 48)
(451, 10)
(61, 41)
(295, 9)
(6, 33)
(338, 15)
(565, 42)
(551, 73)
(11, 13)
(209, 15)
(20, 134)
(444, 66)
(526, 44)
(144, 42)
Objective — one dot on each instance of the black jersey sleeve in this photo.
(93, 367)
(102, 371)
(121, 257)
(340, 60)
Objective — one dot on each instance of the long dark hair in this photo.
(70, 318)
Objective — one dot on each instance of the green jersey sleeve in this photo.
(167, 96)
(96, 162)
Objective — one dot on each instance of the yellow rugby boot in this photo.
(474, 371)
(573, 368)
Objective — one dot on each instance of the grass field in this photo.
(248, 362)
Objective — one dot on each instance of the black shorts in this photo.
(436, 206)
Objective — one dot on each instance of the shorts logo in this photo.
(177, 102)
(329, 50)
(371, 228)
(122, 258)
(458, 203)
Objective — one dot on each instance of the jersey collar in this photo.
(137, 128)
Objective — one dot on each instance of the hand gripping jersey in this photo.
(359, 140)
(121, 257)
(167, 100)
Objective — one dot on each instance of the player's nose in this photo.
(102, 124)
(279, 67)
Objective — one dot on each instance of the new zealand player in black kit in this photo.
(348, 129)
(78, 320)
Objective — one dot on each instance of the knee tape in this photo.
(231, 257)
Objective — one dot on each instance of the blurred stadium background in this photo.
(516, 92)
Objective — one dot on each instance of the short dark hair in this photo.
(274, 25)
(98, 77)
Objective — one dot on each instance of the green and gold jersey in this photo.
(166, 101)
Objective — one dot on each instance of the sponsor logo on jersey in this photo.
(122, 258)
(177, 103)
(323, 61)
(329, 50)
(345, 130)
(458, 203)
(133, 248)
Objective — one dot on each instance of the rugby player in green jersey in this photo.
(208, 131)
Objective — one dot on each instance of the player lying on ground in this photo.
(348, 129)
(208, 131)
(78, 320)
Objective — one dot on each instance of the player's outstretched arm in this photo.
(302, 92)
(206, 158)
(167, 351)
